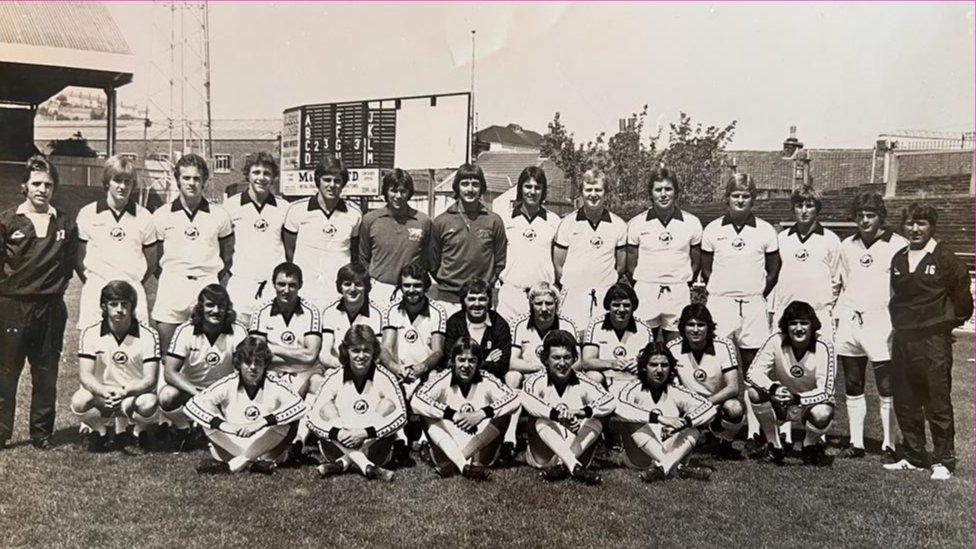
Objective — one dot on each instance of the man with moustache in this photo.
(478, 321)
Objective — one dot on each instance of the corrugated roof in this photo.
(72, 25)
(260, 129)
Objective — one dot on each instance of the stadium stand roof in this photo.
(259, 129)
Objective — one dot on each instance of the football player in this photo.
(248, 415)
(200, 354)
(660, 420)
(358, 410)
(258, 216)
(118, 363)
(792, 379)
(663, 254)
(613, 342)
(197, 247)
(351, 309)
(116, 241)
(480, 322)
(321, 233)
(530, 232)
(863, 322)
(707, 365)
(564, 409)
(590, 251)
(466, 411)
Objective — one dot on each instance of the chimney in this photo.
(791, 144)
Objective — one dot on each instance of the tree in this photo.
(631, 159)
(695, 155)
(76, 145)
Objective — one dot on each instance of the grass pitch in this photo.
(67, 497)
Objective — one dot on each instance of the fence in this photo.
(935, 167)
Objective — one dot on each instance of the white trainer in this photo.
(940, 472)
(902, 465)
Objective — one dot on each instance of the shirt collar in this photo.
(363, 311)
(22, 209)
(347, 375)
(386, 211)
(608, 325)
(487, 321)
(177, 205)
(531, 322)
(517, 211)
(817, 229)
(276, 308)
(885, 235)
(458, 208)
(750, 221)
(105, 329)
(811, 347)
(102, 204)
(652, 214)
(246, 199)
(930, 246)
(313, 204)
(709, 347)
(573, 379)
(605, 216)
(424, 311)
(476, 378)
(228, 328)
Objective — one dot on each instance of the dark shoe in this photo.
(888, 456)
(476, 472)
(180, 440)
(97, 443)
(444, 471)
(654, 474)
(378, 473)
(696, 473)
(776, 455)
(506, 454)
(401, 455)
(786, 443)
(43, 444)
(852, 452)
(586, 476)
(211, 466)
(754, 449)
(264, 467)
(815, 455)
(725, 450)
(330, 468)
(554, 473)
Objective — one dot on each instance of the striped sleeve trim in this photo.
(700, 411)
(603, 403)
(508, 403)
(423, 394)
(86, 355)
(825, 394)
(751, 374)
(292, 412)
(396, 420)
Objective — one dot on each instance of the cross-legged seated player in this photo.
(201, 353)
(792, 378)
(706, 364)
(249, 416)
(564, 409)
(466, 411)
(118, 362)
(358, 410)
(660, 420)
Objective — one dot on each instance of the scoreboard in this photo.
(362, 134)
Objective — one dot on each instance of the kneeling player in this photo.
(201, 353)
(792, 378)
(358, 410)
(118, 362)
(564, 408)
(466, 412)
(249, 415)
(661, 418)
(706, 364)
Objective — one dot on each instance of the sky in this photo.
(841, 73)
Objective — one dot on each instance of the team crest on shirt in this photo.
(119, 358)
(866, 260)
(738, 243)
(118, 233)
(360, 406)
(619, 351)
(261, 224)
(665, 237)
(466, 408)
(796, 371)
(529, 234)
(596, 241)
(191, 232)
(212, 358)
(288, 337)
(329, 229)
(700, 375)
(484, 234)
(414, 234)
(252, 412)
(410, 336)
(802, 254)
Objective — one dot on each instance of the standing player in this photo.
(466, 411)
(565, 409)
(37, 254)
(258, 216)
(811, 261)
(661, 418)
(467, 241)
(358, 410)
(863, 322)
(706, 365)
(118, 364)
(200, 354)
(393, 236)
(663, 254)
(590, 251)
(530, 232)
(930, 296)
(197, 247)
(292, 328)
(740, 266)
(351, 309)
(613, 342)
(248, 415)
(116, 241)
(321, 233)
(792, 378)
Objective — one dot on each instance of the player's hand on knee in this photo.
(494, 356)
(782, 395)
(352, 438)
(670, 426)
(469, 421)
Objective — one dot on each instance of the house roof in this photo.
(502, 169)
(512, 134)
(832, 168)
(132, 130)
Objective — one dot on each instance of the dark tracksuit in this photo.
(34, 273)
(925, 306)
(496, 336)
